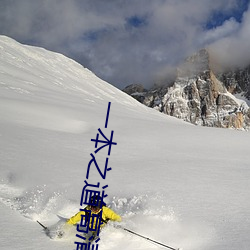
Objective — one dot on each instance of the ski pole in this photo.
(125, 229)
(45, 228)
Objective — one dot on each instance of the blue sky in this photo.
(131, 41)
(218, 17)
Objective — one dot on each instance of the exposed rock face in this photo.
(137, 91)
(237, 81)
(134, 88)
(199, 97)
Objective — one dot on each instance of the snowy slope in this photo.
(182, 185)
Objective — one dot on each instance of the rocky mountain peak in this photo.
(200, 96)
(197, 64)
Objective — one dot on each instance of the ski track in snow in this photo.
(143, 214)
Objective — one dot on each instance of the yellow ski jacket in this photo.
(107, 214)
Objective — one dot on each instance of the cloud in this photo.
(121, 41)
(232, 50)
(228, 28)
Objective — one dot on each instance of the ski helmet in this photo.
(96, 201)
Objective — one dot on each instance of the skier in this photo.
(92, 213)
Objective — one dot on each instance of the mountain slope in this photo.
(183, 185)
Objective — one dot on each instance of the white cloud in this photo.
(233, 50)
(228, 28)
(97, 32)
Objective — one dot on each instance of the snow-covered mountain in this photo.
(182, 185)
(201, 96)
